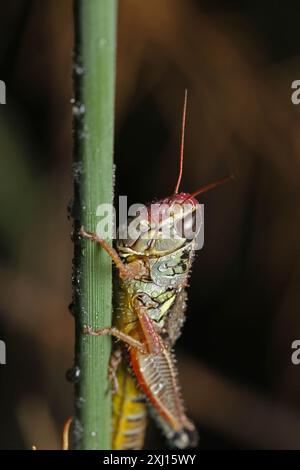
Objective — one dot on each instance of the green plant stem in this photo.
(94, 80)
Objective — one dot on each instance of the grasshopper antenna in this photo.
(182, 143)
(209, 186)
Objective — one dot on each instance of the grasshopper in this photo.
(150, 303)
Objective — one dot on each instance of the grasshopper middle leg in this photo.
(117, 334)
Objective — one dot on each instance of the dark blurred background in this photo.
(238, 60)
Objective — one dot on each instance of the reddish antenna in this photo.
(182, 143)
(209, 186)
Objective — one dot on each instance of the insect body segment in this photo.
(129, 413)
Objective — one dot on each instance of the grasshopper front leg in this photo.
(130, 271)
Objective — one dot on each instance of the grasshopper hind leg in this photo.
(184, 439)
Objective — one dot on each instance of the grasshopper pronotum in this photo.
(150, 303)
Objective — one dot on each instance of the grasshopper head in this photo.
(164, 227)
(170, 224)
(174, 222)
